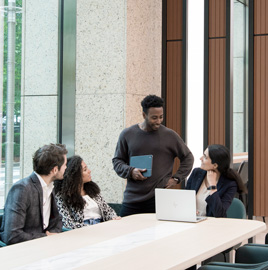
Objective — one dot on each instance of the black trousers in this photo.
(128, 209)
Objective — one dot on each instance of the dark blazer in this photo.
(218, 202)
(23, 213)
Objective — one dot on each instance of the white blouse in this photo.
(201, 196)
(91, 209)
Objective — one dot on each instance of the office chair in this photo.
(252, 253)
(236, 210)
(116, 207)
(250, 256)
(234, 266)
(64, 229)
(243, 172)
(2, 244)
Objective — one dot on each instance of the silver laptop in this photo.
(176, 205)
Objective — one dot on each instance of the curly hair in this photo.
(47, 157)
(151, 101)
(70, 187)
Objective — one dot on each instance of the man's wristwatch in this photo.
(211, 187)
(176, 179)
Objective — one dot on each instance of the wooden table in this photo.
(134, 242)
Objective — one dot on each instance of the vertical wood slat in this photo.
(257, 148)
(266, 19)
(212, 53)
(174, 85)
(260, 125)
(260, 145)
(216, 71)
(217, 18)
(174, 64)
(260, 17)
(262, 121)
(265, 190)
(174, 19)
(216, 101)
(174, 60)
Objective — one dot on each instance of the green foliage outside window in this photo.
(17, 105)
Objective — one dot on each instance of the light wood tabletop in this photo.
(134, 242)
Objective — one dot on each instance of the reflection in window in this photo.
(240, 76)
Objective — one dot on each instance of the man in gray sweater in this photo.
(150, 138)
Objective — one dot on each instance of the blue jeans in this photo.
(93, 221)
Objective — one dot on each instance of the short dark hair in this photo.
(47, 157)
(151, 101)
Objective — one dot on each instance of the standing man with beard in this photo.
(150, 138)
(30, 209)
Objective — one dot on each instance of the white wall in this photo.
(195, 81)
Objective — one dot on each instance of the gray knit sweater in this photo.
(164, 144)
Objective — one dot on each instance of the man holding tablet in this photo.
(149, 138)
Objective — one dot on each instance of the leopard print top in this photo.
(73, 219)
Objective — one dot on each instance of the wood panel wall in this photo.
(260, 156)
(174, 65)
(174, 86)
(216, 72)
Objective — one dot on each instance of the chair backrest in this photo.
(116, 207)
(1, 217)
(2, 244)
(236, 210)
(243, 171)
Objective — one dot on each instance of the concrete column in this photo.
(118, 63)
(39, 94)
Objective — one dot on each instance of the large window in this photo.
(10, 92)
(29, 70)
(240, 76)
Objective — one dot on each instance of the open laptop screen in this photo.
(176, 205)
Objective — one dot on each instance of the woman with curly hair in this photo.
(78, 197)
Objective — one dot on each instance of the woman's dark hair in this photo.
(151, 101)
(221, 155)
(70, 187)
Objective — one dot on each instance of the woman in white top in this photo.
(78, 197)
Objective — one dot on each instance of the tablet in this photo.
(142, 162)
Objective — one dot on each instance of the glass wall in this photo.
(29, 67)
(240, 76)
(10, 92)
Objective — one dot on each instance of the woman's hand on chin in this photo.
(212, 178)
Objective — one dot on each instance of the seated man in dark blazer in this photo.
(30, 209)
